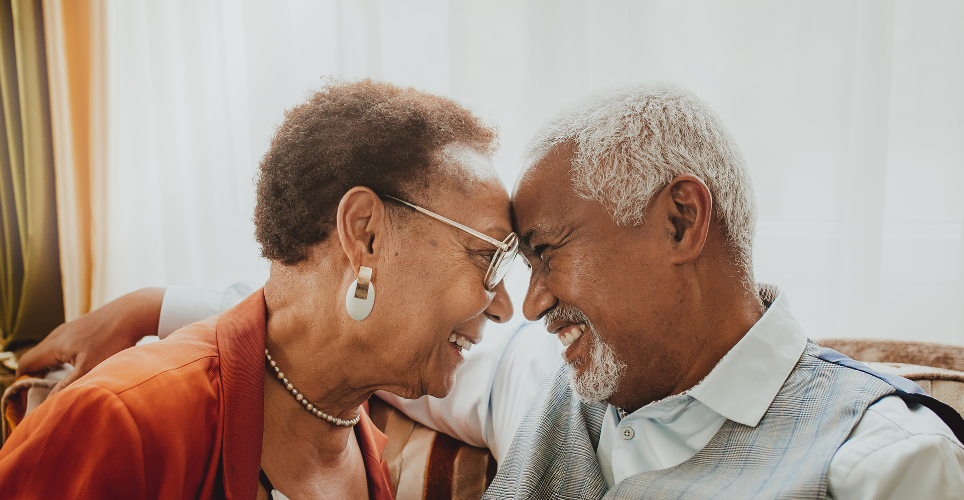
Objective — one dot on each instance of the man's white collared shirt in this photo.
(740, 388)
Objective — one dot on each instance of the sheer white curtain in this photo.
(850, 115)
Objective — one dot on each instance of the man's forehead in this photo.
(542, 193)
(552, 167)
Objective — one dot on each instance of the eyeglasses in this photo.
(504, 256)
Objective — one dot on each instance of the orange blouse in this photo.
(181, 418)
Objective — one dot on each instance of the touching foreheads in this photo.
(631, 143)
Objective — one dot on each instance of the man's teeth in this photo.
(570, 334)
(462, 342)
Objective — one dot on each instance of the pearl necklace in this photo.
(299, 397)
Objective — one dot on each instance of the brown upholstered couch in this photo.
(429, 464)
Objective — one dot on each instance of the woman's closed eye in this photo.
(482, 257)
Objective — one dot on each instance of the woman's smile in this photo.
(459, 343)
(462, 342)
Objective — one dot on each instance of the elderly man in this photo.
(682, 378)
(637, 217)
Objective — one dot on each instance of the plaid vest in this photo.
(787, 455)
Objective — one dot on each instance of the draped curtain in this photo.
(75, 36)
(31, 302)
(849, 112)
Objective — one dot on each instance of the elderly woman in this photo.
(388, 234)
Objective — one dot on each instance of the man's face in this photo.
(612, 289)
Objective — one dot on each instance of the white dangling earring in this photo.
(361, 295)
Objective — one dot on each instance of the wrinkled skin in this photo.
(664, 295)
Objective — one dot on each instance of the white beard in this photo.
(600, 378)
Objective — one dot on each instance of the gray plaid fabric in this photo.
(787, 455)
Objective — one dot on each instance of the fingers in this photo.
(39, 359)
(67, 380)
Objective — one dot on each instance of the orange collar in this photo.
(240, 341)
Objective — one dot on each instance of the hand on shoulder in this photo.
(92, 338)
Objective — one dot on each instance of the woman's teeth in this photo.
(461, 342)
(569, 335)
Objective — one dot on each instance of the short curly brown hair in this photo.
(363, 133)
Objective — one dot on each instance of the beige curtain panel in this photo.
(78, 105)
(31, 297)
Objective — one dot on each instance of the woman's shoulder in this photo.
(181, 369)
(149, 412)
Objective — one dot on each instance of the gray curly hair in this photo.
(632, 142)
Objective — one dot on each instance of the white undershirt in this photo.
(893, 453)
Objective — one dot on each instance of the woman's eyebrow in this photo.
(500, 230)
(494, 227)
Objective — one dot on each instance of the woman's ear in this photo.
(360, 223)
(689, 205)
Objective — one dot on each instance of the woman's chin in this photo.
(438, 378)
(442, 386)
(444, 379)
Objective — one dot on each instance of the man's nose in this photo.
(538, 299)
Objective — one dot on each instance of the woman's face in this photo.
(432, 286)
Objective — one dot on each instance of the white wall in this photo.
(850, 115)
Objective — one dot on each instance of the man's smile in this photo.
(569, 334)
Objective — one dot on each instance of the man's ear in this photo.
(360, 224)
(689, 206)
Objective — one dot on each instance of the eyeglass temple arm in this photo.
(467, 229)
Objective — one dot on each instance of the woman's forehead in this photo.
(487, 209)
(466, 165)
(483, 206)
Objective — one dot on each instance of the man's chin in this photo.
(589, 385)
(595, 372)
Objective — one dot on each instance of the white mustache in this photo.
(566, 313)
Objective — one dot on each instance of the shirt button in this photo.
(628, 433)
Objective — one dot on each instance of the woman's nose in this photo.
(500, 310)
(538, 299)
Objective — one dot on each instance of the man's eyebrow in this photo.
(528, 235)
(541, 231)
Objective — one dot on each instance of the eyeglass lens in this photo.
(502, 262)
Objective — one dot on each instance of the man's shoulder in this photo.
(891, 427)
(899, 445)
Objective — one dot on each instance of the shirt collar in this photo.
(240, 339)
(744, 383)
(372, 443)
